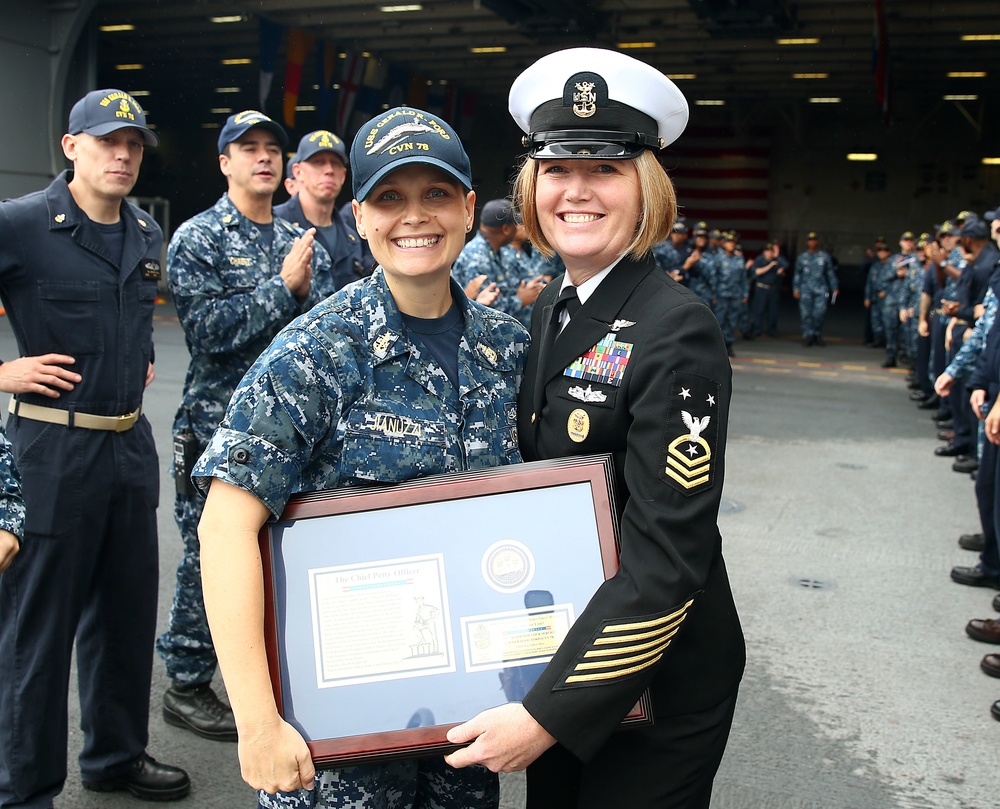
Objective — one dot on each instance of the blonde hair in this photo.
(657, 205)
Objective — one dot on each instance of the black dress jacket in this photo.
(641, 372)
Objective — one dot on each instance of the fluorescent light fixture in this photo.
(810, 75)
(862, 157)
(150, 126)
(221, 110)
(991, 161)
(798, 41)
(634, 46)
(306, 108)
(139, 93)
(133, 66)
(980, 37)
(211, 126)
(227, 18)
(960, 97)
(396, 9)
(967, 74)
(681, 76)
(709, 102)
(336, 86)
(366, 54)
(227, 89)
(241, 61)
(823, 100)
(120, 27)
(491, 49)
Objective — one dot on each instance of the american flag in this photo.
(723, 179)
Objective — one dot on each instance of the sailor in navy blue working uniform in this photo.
(484, 266)
(237, 275)
(395, 377)
(975, 279)
(814, 286)
(768, 269)
(79, 268)
(948, 261)
(320, 169)
(623, 360)
(671, 253)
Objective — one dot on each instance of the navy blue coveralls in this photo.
(345, 253)
(88, 568)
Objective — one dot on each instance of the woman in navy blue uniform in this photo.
(396, 376)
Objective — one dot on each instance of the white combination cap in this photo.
(591, 102)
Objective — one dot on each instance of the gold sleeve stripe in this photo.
(640, 636)
(689, 472)
(623, 661)
(687, 484)
(639, 625)
(622, 650)
(609, 675)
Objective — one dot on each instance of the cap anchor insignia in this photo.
(626, 106)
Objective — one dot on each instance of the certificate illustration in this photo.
(381, 620)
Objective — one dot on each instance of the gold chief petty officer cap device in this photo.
(591, 102)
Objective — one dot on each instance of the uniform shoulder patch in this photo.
(691, 435)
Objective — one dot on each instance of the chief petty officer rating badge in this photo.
(692, 433)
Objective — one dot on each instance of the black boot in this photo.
(197, 708)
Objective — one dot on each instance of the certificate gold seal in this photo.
(508, 566)
(578, 425)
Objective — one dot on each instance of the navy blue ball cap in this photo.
(989, 216)
(399, 137)
(242, 122)
(497, 213)
(975, 229)
(322, 140)
(101, 112)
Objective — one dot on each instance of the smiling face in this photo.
(588, 211)
(105, 167)
(415, 220)
(252, 164)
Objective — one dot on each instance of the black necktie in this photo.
(567, 300)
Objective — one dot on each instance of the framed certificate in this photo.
(395, 613)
